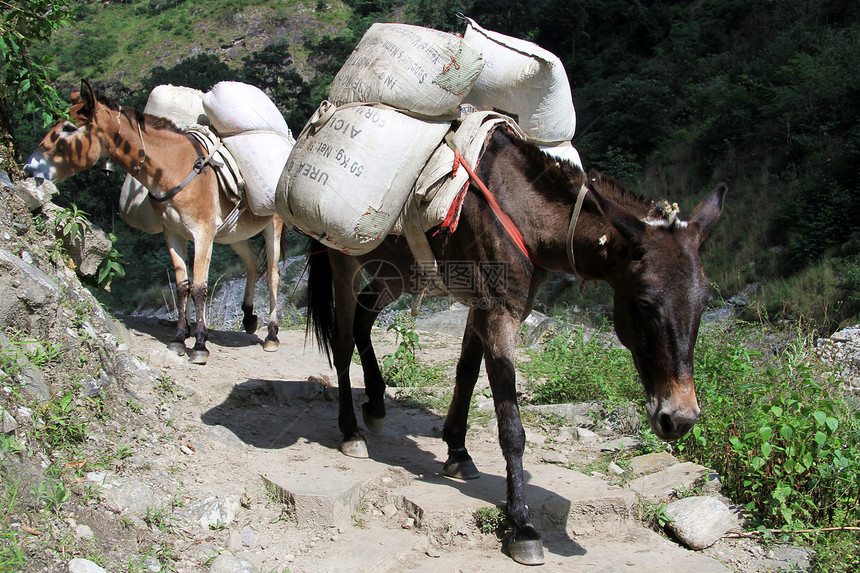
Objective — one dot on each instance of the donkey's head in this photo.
(78, 143)
(660, 293)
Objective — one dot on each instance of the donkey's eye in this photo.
(69, 128)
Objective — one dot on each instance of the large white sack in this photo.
(136, 209)
(408, 67)
(352, 171)
(522, 80)
(255, 133)
(184, 107)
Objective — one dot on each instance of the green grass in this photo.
(574, 368)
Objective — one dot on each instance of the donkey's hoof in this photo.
(371, 422)
(355, 447)
(461, 469)
(527, 551)
(270, 345)
(177, 347)
(250, 324)
(198, 356)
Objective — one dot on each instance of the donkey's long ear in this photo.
(630, 227)
(708, 211)
(88, 98)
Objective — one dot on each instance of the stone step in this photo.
(559, 499)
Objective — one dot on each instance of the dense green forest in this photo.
(672, 97)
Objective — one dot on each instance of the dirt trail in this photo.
(252, 438)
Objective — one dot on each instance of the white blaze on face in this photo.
(38, 166)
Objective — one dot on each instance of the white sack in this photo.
(564, 151)
(352, 171)
(522, 80)
(135, 208)
(408, 67)
(184, 107)
(255, 133)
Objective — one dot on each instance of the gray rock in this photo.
(29, 299)
(213, 513)
(798, 557)
(84, 532)
(84, 566)
(650, 463)
(664, 484)
(248, 537)
(700, 521)
(614, 469)
(133, 497)
(224, 437)
(226, 563)
(35, 192)
(8, 424)
(33, 383)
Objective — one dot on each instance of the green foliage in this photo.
(401, 367)
(111, 266)
(782, 436)
(574, 368)
(64, 426)
(72, 222)
(26, 80)
(491, 520)
(52, 494)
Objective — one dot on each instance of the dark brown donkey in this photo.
(647, 255)
(160, 156)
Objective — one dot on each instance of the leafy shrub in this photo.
(784, 439)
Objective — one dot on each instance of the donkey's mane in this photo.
(151, 121)
(660, 212)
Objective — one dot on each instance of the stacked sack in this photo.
(353, 167)
(255, 133)
(528, 83)
(184, 107)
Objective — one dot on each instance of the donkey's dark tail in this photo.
(321, 319)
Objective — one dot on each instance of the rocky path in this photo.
(236, 469)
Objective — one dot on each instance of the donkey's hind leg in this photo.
(459, 463)
(371, 301)
(346, 276)
(248, 254)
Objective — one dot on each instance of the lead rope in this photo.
(572, 229)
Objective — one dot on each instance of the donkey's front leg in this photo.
(199, 289)
(178, 248)
(524, 544)
(272, 235)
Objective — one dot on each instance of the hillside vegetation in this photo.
(672, 97)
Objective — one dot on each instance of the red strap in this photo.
(506, 222)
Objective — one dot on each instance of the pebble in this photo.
(186, 450)
(432, 552)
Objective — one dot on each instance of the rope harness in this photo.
(509, 225)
